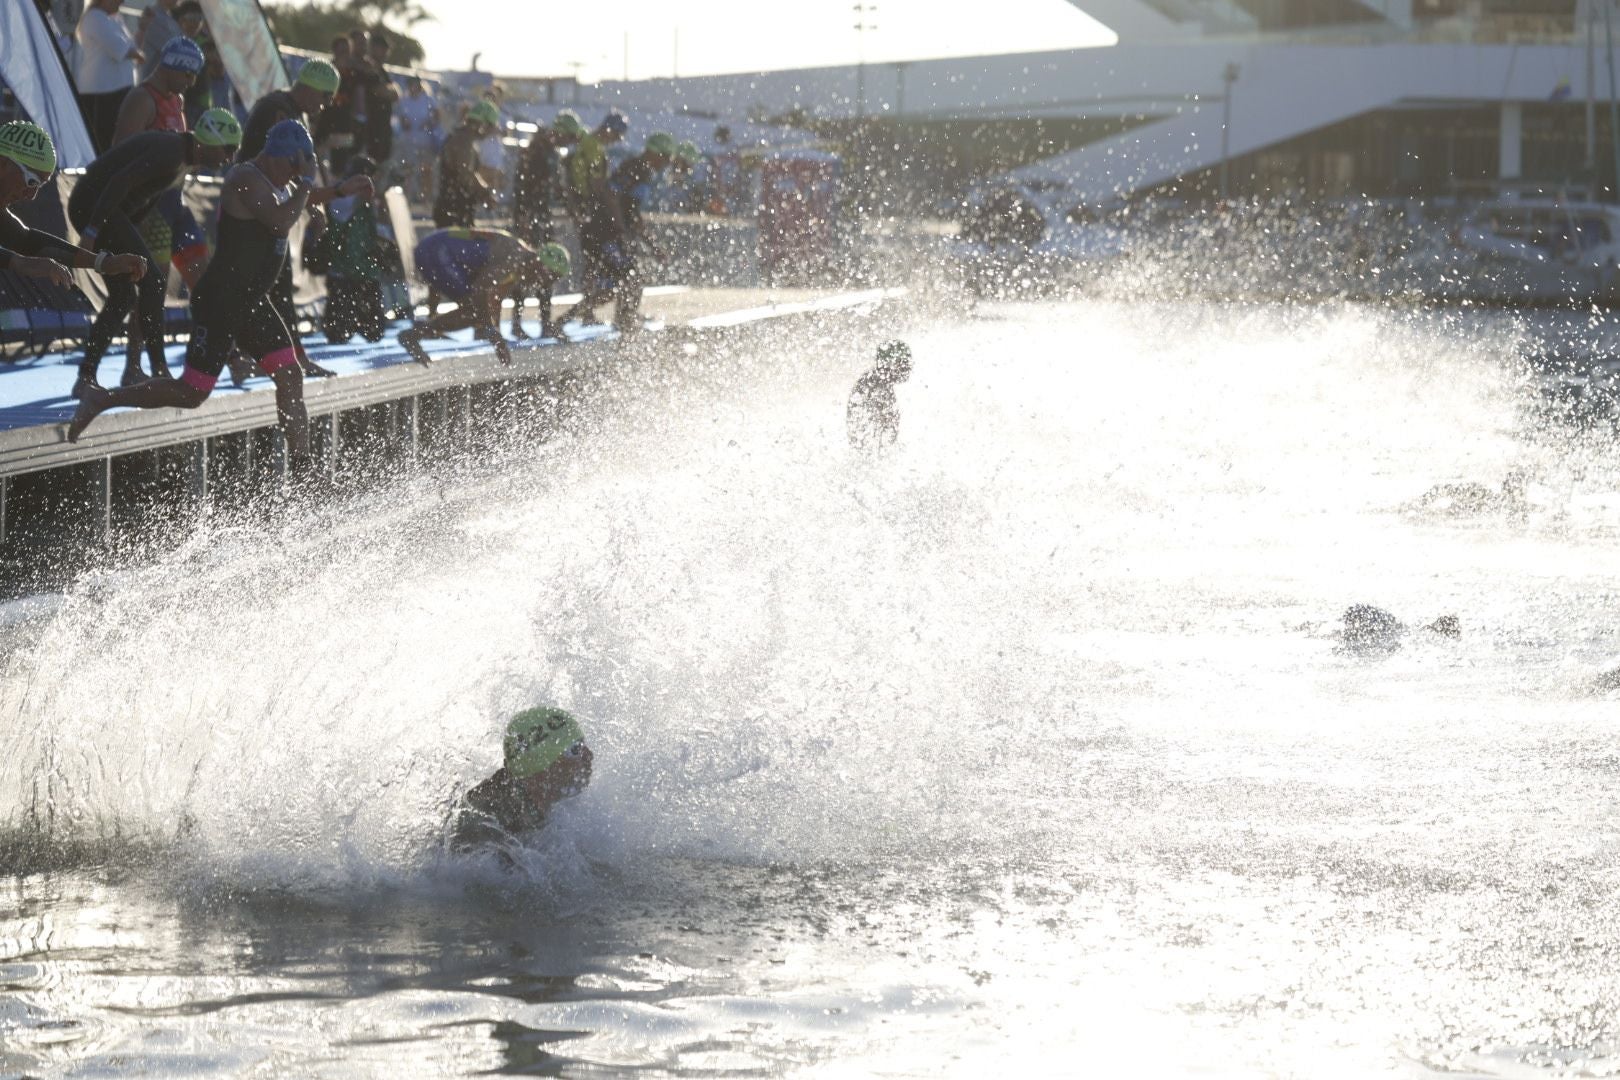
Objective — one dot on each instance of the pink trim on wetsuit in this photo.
(281, 358)
(198, 381)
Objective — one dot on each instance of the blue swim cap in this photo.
(289, 139)
(182, 54)
(616, 123)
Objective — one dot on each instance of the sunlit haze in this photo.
(519, 37)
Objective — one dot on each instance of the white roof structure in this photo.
(1300, 65)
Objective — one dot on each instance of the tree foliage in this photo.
(313, 25)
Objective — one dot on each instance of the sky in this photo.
(538, 37)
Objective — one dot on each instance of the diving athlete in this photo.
(261, 200)
(546, 761)
(477, 268)
(27, 163)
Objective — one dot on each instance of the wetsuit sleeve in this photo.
(32, 242)
(115, 192)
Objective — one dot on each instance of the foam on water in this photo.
(1060, 671)
(786, 653)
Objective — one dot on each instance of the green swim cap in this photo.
(485, 112)
(554, 257)
(536, 739)
(319, 75)
(29, 145)
(216, 127)
(569, 123)
(661, 143)
(689, 153)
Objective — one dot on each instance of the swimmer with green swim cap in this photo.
(547, 761)
(27, 163)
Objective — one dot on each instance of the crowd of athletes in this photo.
(158, 104)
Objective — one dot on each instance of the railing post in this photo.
(199, 472)
(101, 524)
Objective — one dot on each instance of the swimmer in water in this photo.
(547, 761)
(872, 419)
(1369, 629)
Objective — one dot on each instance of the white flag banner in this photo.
(31, 66)
(248, 48)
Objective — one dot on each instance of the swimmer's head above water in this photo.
(894, 360)
(546, 755)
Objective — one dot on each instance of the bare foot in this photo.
(91, 405)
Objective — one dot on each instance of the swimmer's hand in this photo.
(41, 267)
(359, 184)
(130, 266)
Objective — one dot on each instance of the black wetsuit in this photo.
(232, 303)
(268, 111)
(18, 239)
(459, 191)
(115, 194)
(873, 420)
(492, 812)
(531, 215)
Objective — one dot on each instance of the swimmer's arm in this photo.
(254, 198)
(32, 243)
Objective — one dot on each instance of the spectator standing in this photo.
(214, 89)
(381, 97)
(158, 26)
(337, 135)
(418, 138)
(108, 58)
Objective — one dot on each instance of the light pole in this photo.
(864, 13)
(1229, 76)
(900, 86)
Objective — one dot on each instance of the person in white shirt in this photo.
(418, 116)
(108, 58)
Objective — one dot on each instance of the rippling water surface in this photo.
(1032, 747)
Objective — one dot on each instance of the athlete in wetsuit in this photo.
(27, 162)
(608, 237)
(461, 189)
(587, 191)
(547, 761)
(476, 268)
(158, 104)
(120, 189)
(531, 208)
(311, 94)
(261, 201)
(872, 419)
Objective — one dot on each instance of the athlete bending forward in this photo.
(261, 201)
